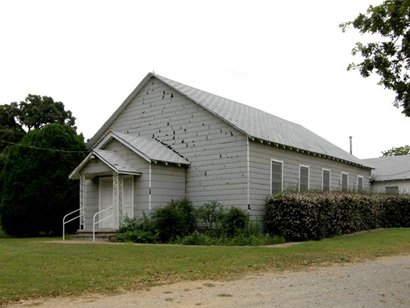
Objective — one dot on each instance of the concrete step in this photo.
(100, 235)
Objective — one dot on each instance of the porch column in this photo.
(117, 199)
(82, 201)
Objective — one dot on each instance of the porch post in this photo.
(116, 198)
(82, 201)
(120, 189)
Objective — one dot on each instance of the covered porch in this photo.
(107, 188)
(125, 176)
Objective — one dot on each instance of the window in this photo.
(344, 181)
(325, 180)
(392, 189)
(359, 183)
(303, 178)
(276, 176)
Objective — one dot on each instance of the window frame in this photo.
(392, 192)
(347, 181)
(271, 175)
(323, 179)
(360, 189)
(308, 177)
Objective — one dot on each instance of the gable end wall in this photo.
(216, 150)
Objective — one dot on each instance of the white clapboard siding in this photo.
(260, 162)
(215, 150)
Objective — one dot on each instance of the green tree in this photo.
(10, 130)
(37, 111)
(36, 191)
(34, 112)
(404, 150)
(388, 54)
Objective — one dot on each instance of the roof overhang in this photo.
(115, 162)
(306, 152)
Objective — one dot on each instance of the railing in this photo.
(66, 222)
(101, 220)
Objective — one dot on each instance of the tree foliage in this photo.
(404, 150)
(388, 55)
(36, 191)
(10, 129)
(33, 113)
(37, 111)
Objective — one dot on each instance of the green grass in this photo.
(37, 267)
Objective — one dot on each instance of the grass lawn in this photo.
(38, 267)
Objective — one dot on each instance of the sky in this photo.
(287, 58)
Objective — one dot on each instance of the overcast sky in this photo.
(288, 58)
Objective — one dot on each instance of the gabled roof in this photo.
(149, 149)
(390, 168)
(254, 123)
(111, 159)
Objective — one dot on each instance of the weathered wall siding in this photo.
(217, 151)
(95, 167)
(168, 183)
(91, 204)
(141, 183)
(380, 187)
(260, 160)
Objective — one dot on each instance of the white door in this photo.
(128, 197)
(106, 201)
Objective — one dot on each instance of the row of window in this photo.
(304, 178)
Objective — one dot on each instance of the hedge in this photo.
(314, 216)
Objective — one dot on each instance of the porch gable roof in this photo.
(111, 159)
(148, 148)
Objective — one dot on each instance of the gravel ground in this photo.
(384, 282)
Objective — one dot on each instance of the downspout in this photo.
(248, 174)
(149, 188)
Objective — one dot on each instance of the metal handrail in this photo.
(66, 222)
(101, 220)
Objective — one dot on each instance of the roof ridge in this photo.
(165, 79)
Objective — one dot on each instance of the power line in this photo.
(39, 148)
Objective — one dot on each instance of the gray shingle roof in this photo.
(390, 168)
(253, 122)
(116, 162)
(151, 148)
(262, 125)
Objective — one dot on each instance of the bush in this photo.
(175, 219)
(241, 239)
(395, 211)
(176, 223)
(210, 216)
(234, 221)
(137, 231)
(313, 216)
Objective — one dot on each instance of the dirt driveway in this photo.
(384, 282)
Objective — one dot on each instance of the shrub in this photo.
(137, 231)
(233, 221)
(395, 211)
(313, 216)
(210, 216)
(175, 219)
(241, 239)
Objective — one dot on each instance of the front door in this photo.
(127, 197)
(106, 201)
